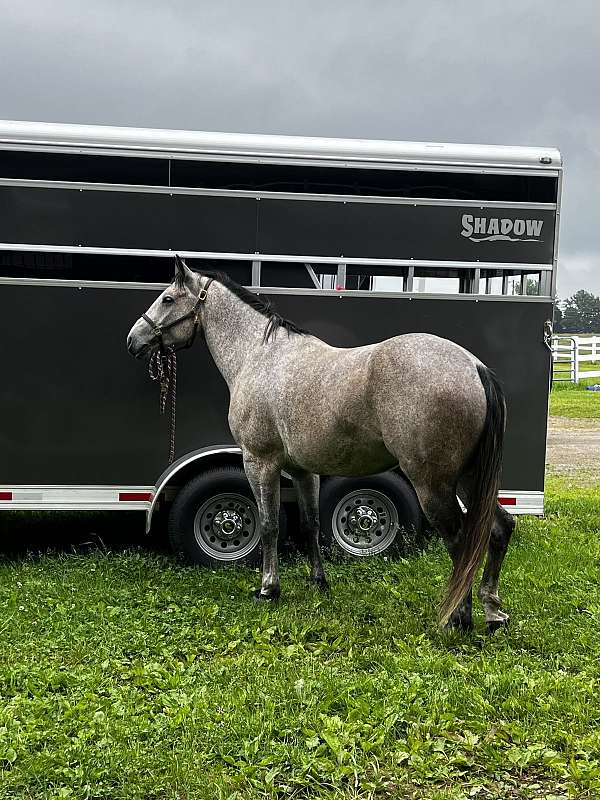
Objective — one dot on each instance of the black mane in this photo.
(260, 304)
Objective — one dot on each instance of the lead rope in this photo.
(162, 367)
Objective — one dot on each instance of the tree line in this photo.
(579, 313)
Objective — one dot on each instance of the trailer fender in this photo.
(204, 453)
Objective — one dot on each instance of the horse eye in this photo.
(167, 299)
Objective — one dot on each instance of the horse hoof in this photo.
(494, 625)
(321, 584)
(259, 597)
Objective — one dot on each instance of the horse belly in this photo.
(342, 455)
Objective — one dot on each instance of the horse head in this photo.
(173, 319)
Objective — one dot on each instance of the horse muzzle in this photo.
(138, 344)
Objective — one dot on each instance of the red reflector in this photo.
(5, 495)
(136, 496)
(507, 501)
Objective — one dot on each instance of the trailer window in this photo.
(446, 280)
(289, 275)
(367, 182)
(287, 178)
(115, 269)
(83, 168)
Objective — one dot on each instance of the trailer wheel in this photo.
(370, 516)
(214, 519)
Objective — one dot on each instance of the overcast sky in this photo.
(515, 72)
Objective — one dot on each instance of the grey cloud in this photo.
(518, 72)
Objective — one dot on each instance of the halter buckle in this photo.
(202, 295)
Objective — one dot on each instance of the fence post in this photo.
(575, 345)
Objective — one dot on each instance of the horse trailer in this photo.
(354, 240)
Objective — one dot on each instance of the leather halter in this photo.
(159, 330)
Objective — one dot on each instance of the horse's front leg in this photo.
(264, 480)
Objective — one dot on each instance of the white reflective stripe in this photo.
(76, 497)
(518, 502)
(30, 496)
(524, 502)
(89, 498)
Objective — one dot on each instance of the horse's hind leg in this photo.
(444, 514)
(263, 478)
(307, 489)
(502, 529)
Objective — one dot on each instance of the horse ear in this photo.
(183, 274)
(182, 271)
(179, 267)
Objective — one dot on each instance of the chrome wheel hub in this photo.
(365, 522)
(362, 520)
(227, 524)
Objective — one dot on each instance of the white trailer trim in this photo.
(297, 259)
(76, 498)
(145, 498)
(531, 503)
(100, 139)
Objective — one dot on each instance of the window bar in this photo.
(409, 280)
(256, 273)
(523, 283)
(313, 276)
(545, 284)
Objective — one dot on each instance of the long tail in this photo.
(485, 465)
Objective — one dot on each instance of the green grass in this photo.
(573, 400)
(129, 676)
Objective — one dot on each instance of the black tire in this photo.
(197, 536)
(390, 521)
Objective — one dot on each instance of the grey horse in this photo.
(417, 402)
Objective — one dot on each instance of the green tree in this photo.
(557, 325)
(581, 313)
(532, 287)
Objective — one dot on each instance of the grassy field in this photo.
(128, 676)
(573, 400)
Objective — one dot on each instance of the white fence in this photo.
(569, 353)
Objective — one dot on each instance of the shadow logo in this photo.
(495, 229)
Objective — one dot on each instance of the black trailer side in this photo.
(341, 239)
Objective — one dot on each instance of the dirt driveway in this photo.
(574, 447)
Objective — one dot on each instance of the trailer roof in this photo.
(99, 139)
